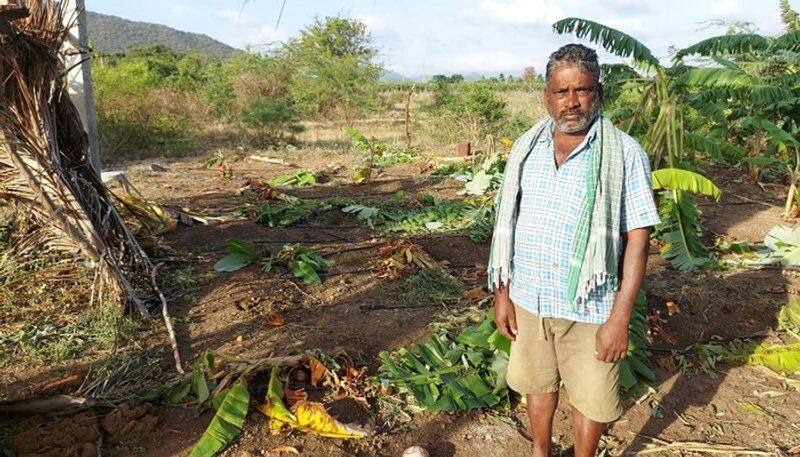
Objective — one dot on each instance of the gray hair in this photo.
(574, 54)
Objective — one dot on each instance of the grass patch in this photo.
(430, 285)
(47, 342)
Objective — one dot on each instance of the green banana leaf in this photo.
(359, 140)
(241, 255)
(677, 179)
(678, 229)
(227, 422)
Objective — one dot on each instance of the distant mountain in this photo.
(389, 76)
(115, 34)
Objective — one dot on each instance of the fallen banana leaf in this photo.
(241, 255)
(789, 318)
(305, 416)
(313, 418)
(226, 424)
(404, 255)
(319, 372)
(782, 359)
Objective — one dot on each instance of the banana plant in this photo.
(787, 156)
(750, 97)
(679, 229)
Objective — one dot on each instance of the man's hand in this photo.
(611, 340)
(504, 315)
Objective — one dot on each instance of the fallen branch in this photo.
(694, 446)
(167, 320)
(62, 404)
(377, 306)
(270, 160)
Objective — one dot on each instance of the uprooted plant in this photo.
(301, 178)
(466, 370)
(378, 155)
(303, 262)
(476, 216)
(223, 383)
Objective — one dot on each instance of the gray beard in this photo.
(572, 128)
(594, 111)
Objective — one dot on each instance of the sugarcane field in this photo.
(370, 228)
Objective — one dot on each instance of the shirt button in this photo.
(555, 266)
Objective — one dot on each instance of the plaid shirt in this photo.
(548, 212)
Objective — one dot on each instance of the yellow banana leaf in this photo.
(153, 219)
(305, 416)
(783, 359)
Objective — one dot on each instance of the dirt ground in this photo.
(227, 313)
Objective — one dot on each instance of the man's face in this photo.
(573, 98)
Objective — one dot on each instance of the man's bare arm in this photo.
(504, 315)
(612, 337)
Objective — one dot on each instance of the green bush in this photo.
(144, 103)
(271, 119)
(470, 111)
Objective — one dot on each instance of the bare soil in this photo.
(226, 312)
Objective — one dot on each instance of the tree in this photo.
(529, 75)
(336, 74)
(789, 17)
(456, 78)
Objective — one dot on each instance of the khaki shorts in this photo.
(565, 350)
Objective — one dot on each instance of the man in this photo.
(569, 253)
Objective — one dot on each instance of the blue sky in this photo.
(449, 36)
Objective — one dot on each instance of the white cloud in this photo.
(514, 12)
(373, 23)
(237, 17)
(631, 25)
(496, 61)
(180, 8)
(726, 7)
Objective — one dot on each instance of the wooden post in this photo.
(408, 117)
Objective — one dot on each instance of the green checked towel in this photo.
(594, 260)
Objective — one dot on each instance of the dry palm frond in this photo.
(402, 257)
(63, 208)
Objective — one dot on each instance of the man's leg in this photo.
(592, 385)
(533, 371)
(586, 434)
(541, 409)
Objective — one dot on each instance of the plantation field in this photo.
(229, 313)
(294, 252)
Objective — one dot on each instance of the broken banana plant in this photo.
(304, 415)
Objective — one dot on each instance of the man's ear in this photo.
(600, 91)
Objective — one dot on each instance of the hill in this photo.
(114, 34)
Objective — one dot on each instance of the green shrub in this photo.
(470, 111)
(272, 119)
(143, 105)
